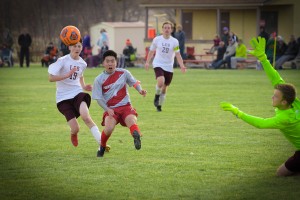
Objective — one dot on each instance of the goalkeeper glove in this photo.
(259, 46)
(229, 107)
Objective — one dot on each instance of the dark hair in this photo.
(288, 92)
(109, 53)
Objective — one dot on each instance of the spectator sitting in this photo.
(289, 54)
(295, 63)
(234, 36)
(6, 55)
(215, 46)
(282, 46)
(240, 54)
(129, 53)
(220, 54)
(50, 55)
(230, 51)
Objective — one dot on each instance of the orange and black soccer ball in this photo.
(70, 35)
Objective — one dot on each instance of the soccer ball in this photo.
(70, 35)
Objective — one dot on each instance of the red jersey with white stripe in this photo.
(112, 88)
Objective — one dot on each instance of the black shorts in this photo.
(70, 107)
(293, 163)
(160, 72)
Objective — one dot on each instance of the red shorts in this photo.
(160, 72)
(120, 114)
(293, 163)
(70, 107)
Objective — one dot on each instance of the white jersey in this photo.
(165, 52)
(69, 87)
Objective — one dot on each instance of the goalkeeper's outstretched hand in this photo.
(259, 46)
(229, 107)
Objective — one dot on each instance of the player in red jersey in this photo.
(110, 91)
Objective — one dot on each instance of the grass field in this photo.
(191, 150)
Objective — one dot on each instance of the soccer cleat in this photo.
(74, 140)
(101, 151)
(158, 108)
(156, 100)
(137, 140)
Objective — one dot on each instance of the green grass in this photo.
(191, 150)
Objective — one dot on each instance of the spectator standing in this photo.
(102, 39)
(24, 41)
(7, 41)
(263, 33)
(86, 45)
(270, 48)
(180, 36)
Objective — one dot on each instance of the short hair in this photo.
(288, 92)
(109, 53)
(168, 22)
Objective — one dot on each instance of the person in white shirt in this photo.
(165, 48)
(71, 101)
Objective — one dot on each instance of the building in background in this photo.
(118, 33)
(202, 19)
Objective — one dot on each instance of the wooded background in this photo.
(44, 19)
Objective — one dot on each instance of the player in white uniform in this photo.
(165, 48)
(71, 101)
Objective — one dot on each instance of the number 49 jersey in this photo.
(69, 87)
(165, 52)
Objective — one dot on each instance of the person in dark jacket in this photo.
(289, 54)
(220, 54)
(24, 41)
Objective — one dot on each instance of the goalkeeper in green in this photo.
(287, 110)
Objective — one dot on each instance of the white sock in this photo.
(162, 98)
(96, 133)
(157, 90)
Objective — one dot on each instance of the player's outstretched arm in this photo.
(229, 107)
(259, 45)
(258, 122)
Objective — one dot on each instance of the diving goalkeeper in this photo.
(287, 110)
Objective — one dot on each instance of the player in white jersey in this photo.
(110, 91)
(165, 48)
(71, 101)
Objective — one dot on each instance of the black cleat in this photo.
(158, 108)
(137, 140)
(156, 100)
(101, 151)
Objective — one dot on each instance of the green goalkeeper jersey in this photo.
(288, 121)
